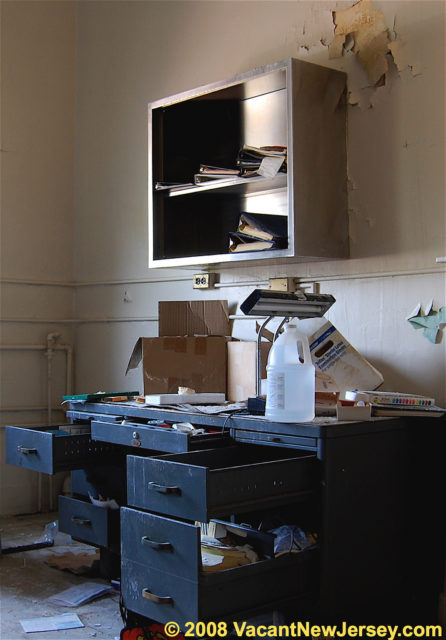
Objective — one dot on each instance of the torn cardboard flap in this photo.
(242, 368)
(136, 356)
(194, 318)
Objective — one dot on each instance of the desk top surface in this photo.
(323, 427)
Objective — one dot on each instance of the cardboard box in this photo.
(172, 362)
(242, 368)
(333, 354)
(194, 318)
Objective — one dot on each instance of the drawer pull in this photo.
(81, 521)
(25, 450)
(159, 546)
(154, 598)
(161, 488)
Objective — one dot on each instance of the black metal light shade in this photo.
(292, 305)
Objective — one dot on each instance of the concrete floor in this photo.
(26, 582)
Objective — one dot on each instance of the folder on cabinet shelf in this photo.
(264, 226)
(241, 242)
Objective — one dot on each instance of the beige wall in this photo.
(37, 222)
(129, 53)
(133, 52)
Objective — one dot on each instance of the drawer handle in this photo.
(81, 521)
(161, 488)
(25, 450)
(159, 546)
(154, 598)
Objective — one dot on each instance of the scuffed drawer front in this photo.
(158, 595)
(153, 437)
(161, 543)
(88, 522)
(50, 449)
(226, 594)
(206, 484)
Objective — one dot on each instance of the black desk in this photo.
(374, 491)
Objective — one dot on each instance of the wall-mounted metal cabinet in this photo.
(294, 104)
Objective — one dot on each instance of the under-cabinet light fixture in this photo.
(288, 305)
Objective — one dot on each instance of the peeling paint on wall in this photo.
(399, 51)
(362, 30)
(370, 35)
(360, 34)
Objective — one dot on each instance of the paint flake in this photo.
(371, 37)
(400, 54)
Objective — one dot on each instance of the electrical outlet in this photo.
(204, 280)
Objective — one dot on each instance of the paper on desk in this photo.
(212, 409)
(52, 623)
(80, 594)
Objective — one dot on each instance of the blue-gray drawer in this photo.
(155, 437)
(50, 449)
(89, 523)
(227, 594)
(274, 439)
(214, 483)
(161, 543)
(85, 416)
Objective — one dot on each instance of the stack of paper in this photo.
(216, 556)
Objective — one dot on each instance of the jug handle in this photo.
(306, 351)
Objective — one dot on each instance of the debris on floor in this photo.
(80, 594)
(78, 563)
(52, 623)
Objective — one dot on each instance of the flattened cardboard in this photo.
(194, 318)
(172, 362)
(242, 368)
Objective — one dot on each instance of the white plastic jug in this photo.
(291, 378)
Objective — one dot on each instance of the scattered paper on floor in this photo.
(52, 623)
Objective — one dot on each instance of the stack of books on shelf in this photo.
(267, 160)
(392, 403)
(250, 161)
(208, 173)
(259, 232)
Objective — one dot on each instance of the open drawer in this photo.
(89, 523)
(52, 449)
(155, 437)
(216, 482)
(162, 577)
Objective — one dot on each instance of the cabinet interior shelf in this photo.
(255, 184)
